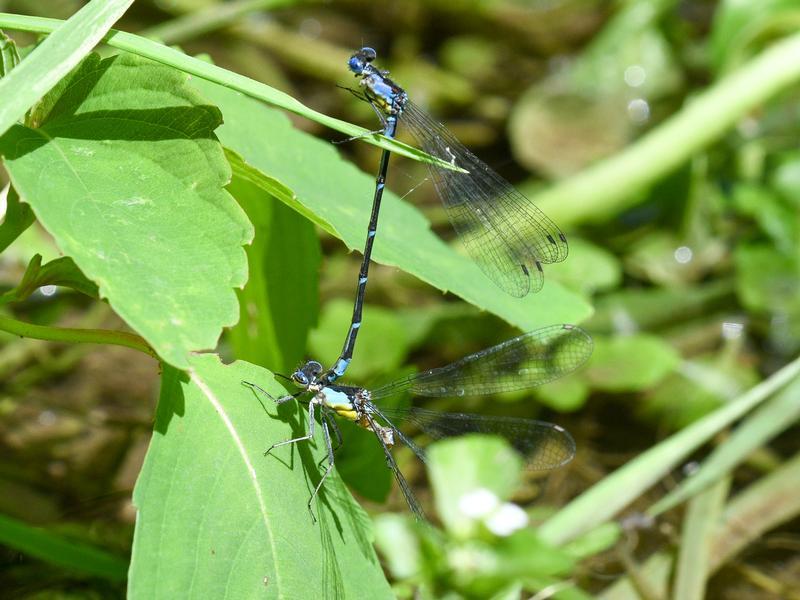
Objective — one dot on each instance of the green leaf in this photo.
(9, 56)
(217, 519)
(55, 57)
(61, 271)
(126, 174)
(589, 269)
(279, 304)
(397, 541)
(630, 363)
(564, 395)
(18, 217)
(459, 466)
(310, 176)
(57, 550)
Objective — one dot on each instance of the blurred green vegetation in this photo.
(691, 260)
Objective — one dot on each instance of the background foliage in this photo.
(160, 199)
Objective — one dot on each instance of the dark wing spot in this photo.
(563, 237)
(539, 266)
(525, 270)
(550, 239)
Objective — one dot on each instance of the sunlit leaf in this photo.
(218, 519)
(125, 172)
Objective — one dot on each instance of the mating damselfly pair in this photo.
(509, 238)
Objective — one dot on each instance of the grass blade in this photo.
(605, 499)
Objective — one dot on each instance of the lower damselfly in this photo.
(523, 362)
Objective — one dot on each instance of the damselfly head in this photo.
(361, 59)
(307, 374)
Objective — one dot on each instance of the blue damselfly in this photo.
(523, 362)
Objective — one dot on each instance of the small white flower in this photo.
(507, 519)
(478, 503)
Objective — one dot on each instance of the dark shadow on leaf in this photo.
(171, 399)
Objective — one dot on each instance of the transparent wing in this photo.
(503, 231)
(526, 361)
(544, 445)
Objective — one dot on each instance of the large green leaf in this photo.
(217, 519)
(309, 175)
(54, 58)
(126, 174)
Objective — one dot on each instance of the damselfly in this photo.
(526, 361)
(503, 231)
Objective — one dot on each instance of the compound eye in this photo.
(300, 378)
(368, 54)
(314, 368)
(356, 65)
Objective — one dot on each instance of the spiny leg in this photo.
(329, 449)
(280, 400)
(334, 426)
(308, 436)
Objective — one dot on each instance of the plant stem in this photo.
(86, 336)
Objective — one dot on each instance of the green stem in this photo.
(85, 336)
(612, 185)
(205, 70)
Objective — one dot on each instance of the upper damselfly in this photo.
(503, 231)
(523, 362)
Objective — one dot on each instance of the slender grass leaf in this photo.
(770, 501)
(605, 499)
(650, 581)
(311, 177)
(126, 174)
(57, 550)
(158, 52)
(55, 57)
(280, 302)
(698, 528)
(764, 505)
(217, 519)
(776, 415)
